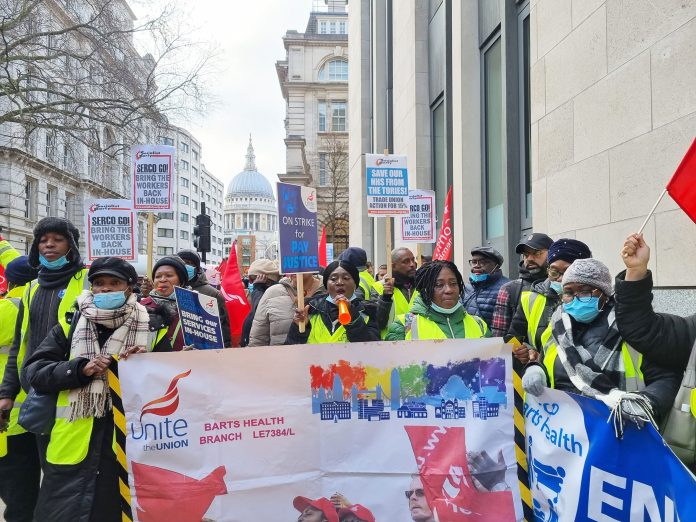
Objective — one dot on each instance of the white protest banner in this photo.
(111, 229)
(242, 435)
(387, 185)
(419, 225)
(153, 171)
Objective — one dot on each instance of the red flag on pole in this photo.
(232, 289)
(322, 247)
(443, 247)
(682, 186)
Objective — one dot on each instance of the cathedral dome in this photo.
(250, 182)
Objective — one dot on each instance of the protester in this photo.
(7, 252)
(400, 290)
(320, 316)
(370, 269)
(19, 468)
(534, 251)
(319, 510)
(587, 354)
(358, 257)
(263, 273)
(417, 502)
(80, 475)
(355, 513)
(530, 324)
(198, 282)
(485, 280)
(168, 272)
(381, 273)
(665, 339)
(437, 312)
(277, 308)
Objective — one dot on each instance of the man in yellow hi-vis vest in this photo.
(402, 290)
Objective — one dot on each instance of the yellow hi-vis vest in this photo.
(367, 282)
(632, 361)
(400, 305)
(9, 309)
(533, 307)
(7, 253)
(320, 334)
(420, 327)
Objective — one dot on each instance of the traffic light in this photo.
(201, 233)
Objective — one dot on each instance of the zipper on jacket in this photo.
(450, 327)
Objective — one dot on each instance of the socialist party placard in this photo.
(419, 225)
(387, 185)
(200, 319)
(297, 218)
(153, 170)
(111, 229)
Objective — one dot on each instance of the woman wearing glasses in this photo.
(587, 355)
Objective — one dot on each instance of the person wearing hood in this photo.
(7, 252)
(485, 280)
(263, 274)
(437, 312)
(534, 251)
(358, 257)
(587, 355)
(276, 309)
(198, 282)
(321, 316)
(530, 325)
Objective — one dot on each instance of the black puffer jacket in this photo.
(480, 298)
(664, 338)
(200, 284)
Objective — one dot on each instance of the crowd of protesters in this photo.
(62, 325)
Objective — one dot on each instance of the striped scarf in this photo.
(130, 328)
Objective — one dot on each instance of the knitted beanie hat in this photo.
(591, 272)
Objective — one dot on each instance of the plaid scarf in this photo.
(130, 325)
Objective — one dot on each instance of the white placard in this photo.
(111, 229)
(153, 171)
(419, 225)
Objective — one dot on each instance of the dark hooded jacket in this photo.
(200, 284)
(479, 298)
(514, 290)
(518, 326)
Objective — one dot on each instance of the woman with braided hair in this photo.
(437, 312)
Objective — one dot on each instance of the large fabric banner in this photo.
(400, 431)
(579, 470)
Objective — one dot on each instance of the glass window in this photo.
(184, 146)
(194, 187)
(194, 204)
(30, 198)
(166, 215)
(166, 141)
(165, 251)
(525, 137)
(322, 116)
(332, 27)
(195, 172)
(342, 28)
(322, 170)
(51, 200)
(183, 234)
(195, 154)
(184, 165)
(493, 114)
(322, 27)
(184, 217)
(338, 116)
(165, 232)
(440, 156)
(184, 182)
(334, 71)
(69, 206)
(184, 199)
(50, 146)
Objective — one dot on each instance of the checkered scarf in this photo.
(130, 325)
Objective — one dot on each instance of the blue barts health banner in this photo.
(579, 470)
(200, 319)
(297, 218)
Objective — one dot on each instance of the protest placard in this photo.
(200, 319)
(419, 225)
(329, 252)
(153, 171)
(111, 229)
(242, 435)
(387, 185)
(297, 219)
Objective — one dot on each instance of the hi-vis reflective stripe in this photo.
(120, 436)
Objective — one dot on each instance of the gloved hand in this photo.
(534, 380)
(629, 406)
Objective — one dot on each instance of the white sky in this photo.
(245, 88)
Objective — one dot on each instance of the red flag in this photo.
(3, 280)
(682, 186)
(232, 289)
(322, 247)
(221, 267)
(443, 247)
(449, 488)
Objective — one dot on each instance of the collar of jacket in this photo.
(420, 308)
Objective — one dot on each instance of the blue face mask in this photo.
(191, 271)
(478, 278)
(110, 300)
(557, 287)
(583, 311)
(250, 287)
(54, 265)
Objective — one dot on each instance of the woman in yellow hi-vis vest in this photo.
(588, 355)
(322, 319)
(437, 312)
(81, 471)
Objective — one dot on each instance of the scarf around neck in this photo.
(55, 278)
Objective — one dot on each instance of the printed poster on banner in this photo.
(579, 470)
(242, 435)
(387, 185)
(200, 319)
(419, 225)
(153, 171)
(297, 219)
(111, 226)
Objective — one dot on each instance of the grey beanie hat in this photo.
(590, 272)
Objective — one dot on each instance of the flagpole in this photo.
(652, 211)
(300, 297)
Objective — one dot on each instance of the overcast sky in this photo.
(248, 97)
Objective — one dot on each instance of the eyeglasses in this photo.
(480, 262)
(555, 274)
(584, 296)
(418, 492)
(440, 285)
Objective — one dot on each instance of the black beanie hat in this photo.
(177, 264)
(354, 255)
(114, 266)
(345, 265)
(60, 226)
(191, 256)
(20, 272)
(568, 250)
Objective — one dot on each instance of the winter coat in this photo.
(479, 298)
(274, 314)
(663, 338)
(451, 325)
(254, 299)
(519, 325)
(200, 284)
(505, 309)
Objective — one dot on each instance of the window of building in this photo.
(183, 234)
(195, 154)
(493, 136)
(70, 202)
(165, 251)
(30, 198)
(184, 217)
(332, 27)
(342, 28)
(165, 232)
(334, 71)
(525, 122)
(166, 215)
(184, 199)
(184, 146)
(51, 201)
(184, 165)
(195, 172)
(194, 187)
(166, 141)
(322, 169)
(184, 182)
(338, 116)
(440, 154)
(322, 27)
(50, 146)
(194, 204)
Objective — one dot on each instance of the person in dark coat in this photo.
(485, 280)
(198, 282)
(262, 274)
(109, 321)
(663, 338)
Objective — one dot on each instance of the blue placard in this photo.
(200, 319)
(297, 218)
(387, 185)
